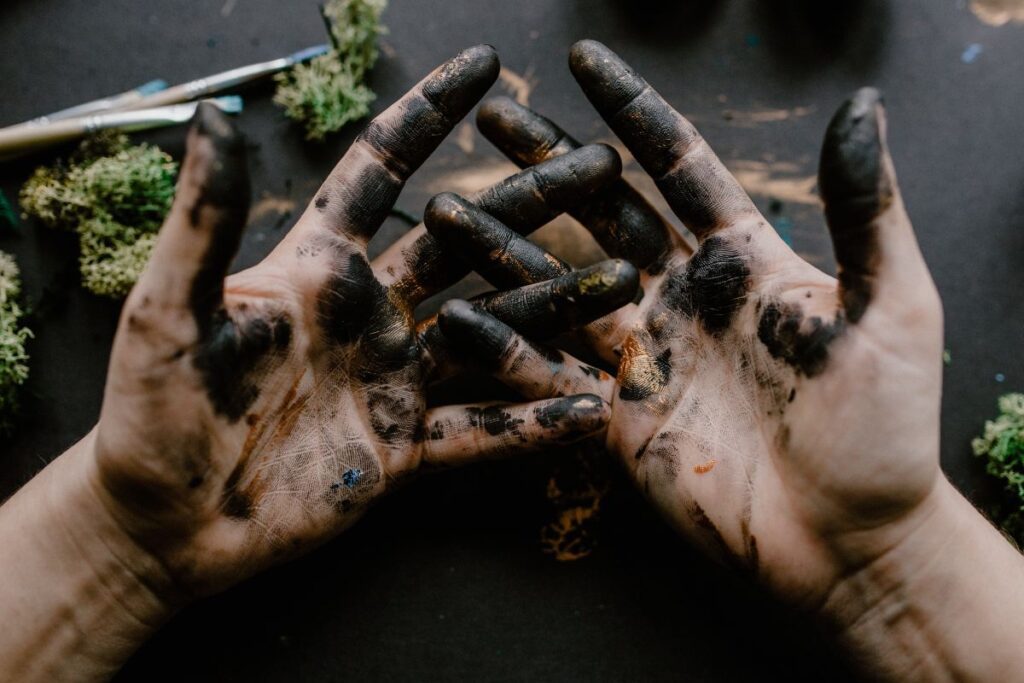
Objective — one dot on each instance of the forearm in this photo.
(77, 597)
(945, 604)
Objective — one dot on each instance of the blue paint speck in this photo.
(752, 40)
(784, 227)
(972, 53)
(351, 477)
(1000, 377)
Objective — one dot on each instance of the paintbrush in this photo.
(202, 87)
(21, 139)
(111, 103)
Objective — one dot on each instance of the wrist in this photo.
(83, 594)
(944, 601)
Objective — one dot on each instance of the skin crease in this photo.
(260, 415)
(745, 356)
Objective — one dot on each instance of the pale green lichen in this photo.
(328, 92)
(1002, 445)
(13, 337)
(115, 196)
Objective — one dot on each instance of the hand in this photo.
(786, 420)
(247, 420)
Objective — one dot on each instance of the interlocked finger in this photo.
(417, 266)
(621, 220)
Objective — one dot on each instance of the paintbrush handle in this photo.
(113, 102)
(22, 139)
(203, 87)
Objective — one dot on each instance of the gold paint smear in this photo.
(757, 117)
(779, 180)
(270, 204)
(465, 138)
(571, 534)
(472, 178)
(998, 12)
(519, 86)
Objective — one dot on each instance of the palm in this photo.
(762, 404)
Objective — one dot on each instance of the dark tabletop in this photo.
(446, 579)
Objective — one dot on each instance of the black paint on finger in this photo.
(522, 202)
(523, 135)
(499, 254)
(621, 220)
(694, 182)
(496, 420)
(608, 82)
(856, 189)
(398, 141)
(576, 417)
(468, 328)
(221, 207)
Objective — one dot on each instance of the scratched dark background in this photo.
(446, 580)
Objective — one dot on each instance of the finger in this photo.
(542, 310)
(871, 233)
(621, 220)
(458, 435)
(508, 260)
(200, 236)
(694, 182)
(417, 266)
(534, 370)
(356, 197)
(485, 244)
(546, 309)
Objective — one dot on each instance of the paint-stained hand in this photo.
(783, 418)
(251, 418)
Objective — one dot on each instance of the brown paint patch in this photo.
(756, 117)
(998, 12)
(780, 180)
(519, 86)
(466, 181)
(271, 205)
(706, 467)
(465, 138)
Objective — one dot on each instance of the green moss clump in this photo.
(13, 337)
(115, 196)
(1003, 446)
(328, 92)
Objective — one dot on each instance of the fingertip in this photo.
(496, 110)
(615, 282)
(606, 79)
(456, 313)
(852, 176)
(474, 331)
(577, 417)
(590, 167)
(459, 83)
(443, 211)
(215, 160)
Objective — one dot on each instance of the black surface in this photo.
(445, 580)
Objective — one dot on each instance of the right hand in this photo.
(785, 420)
